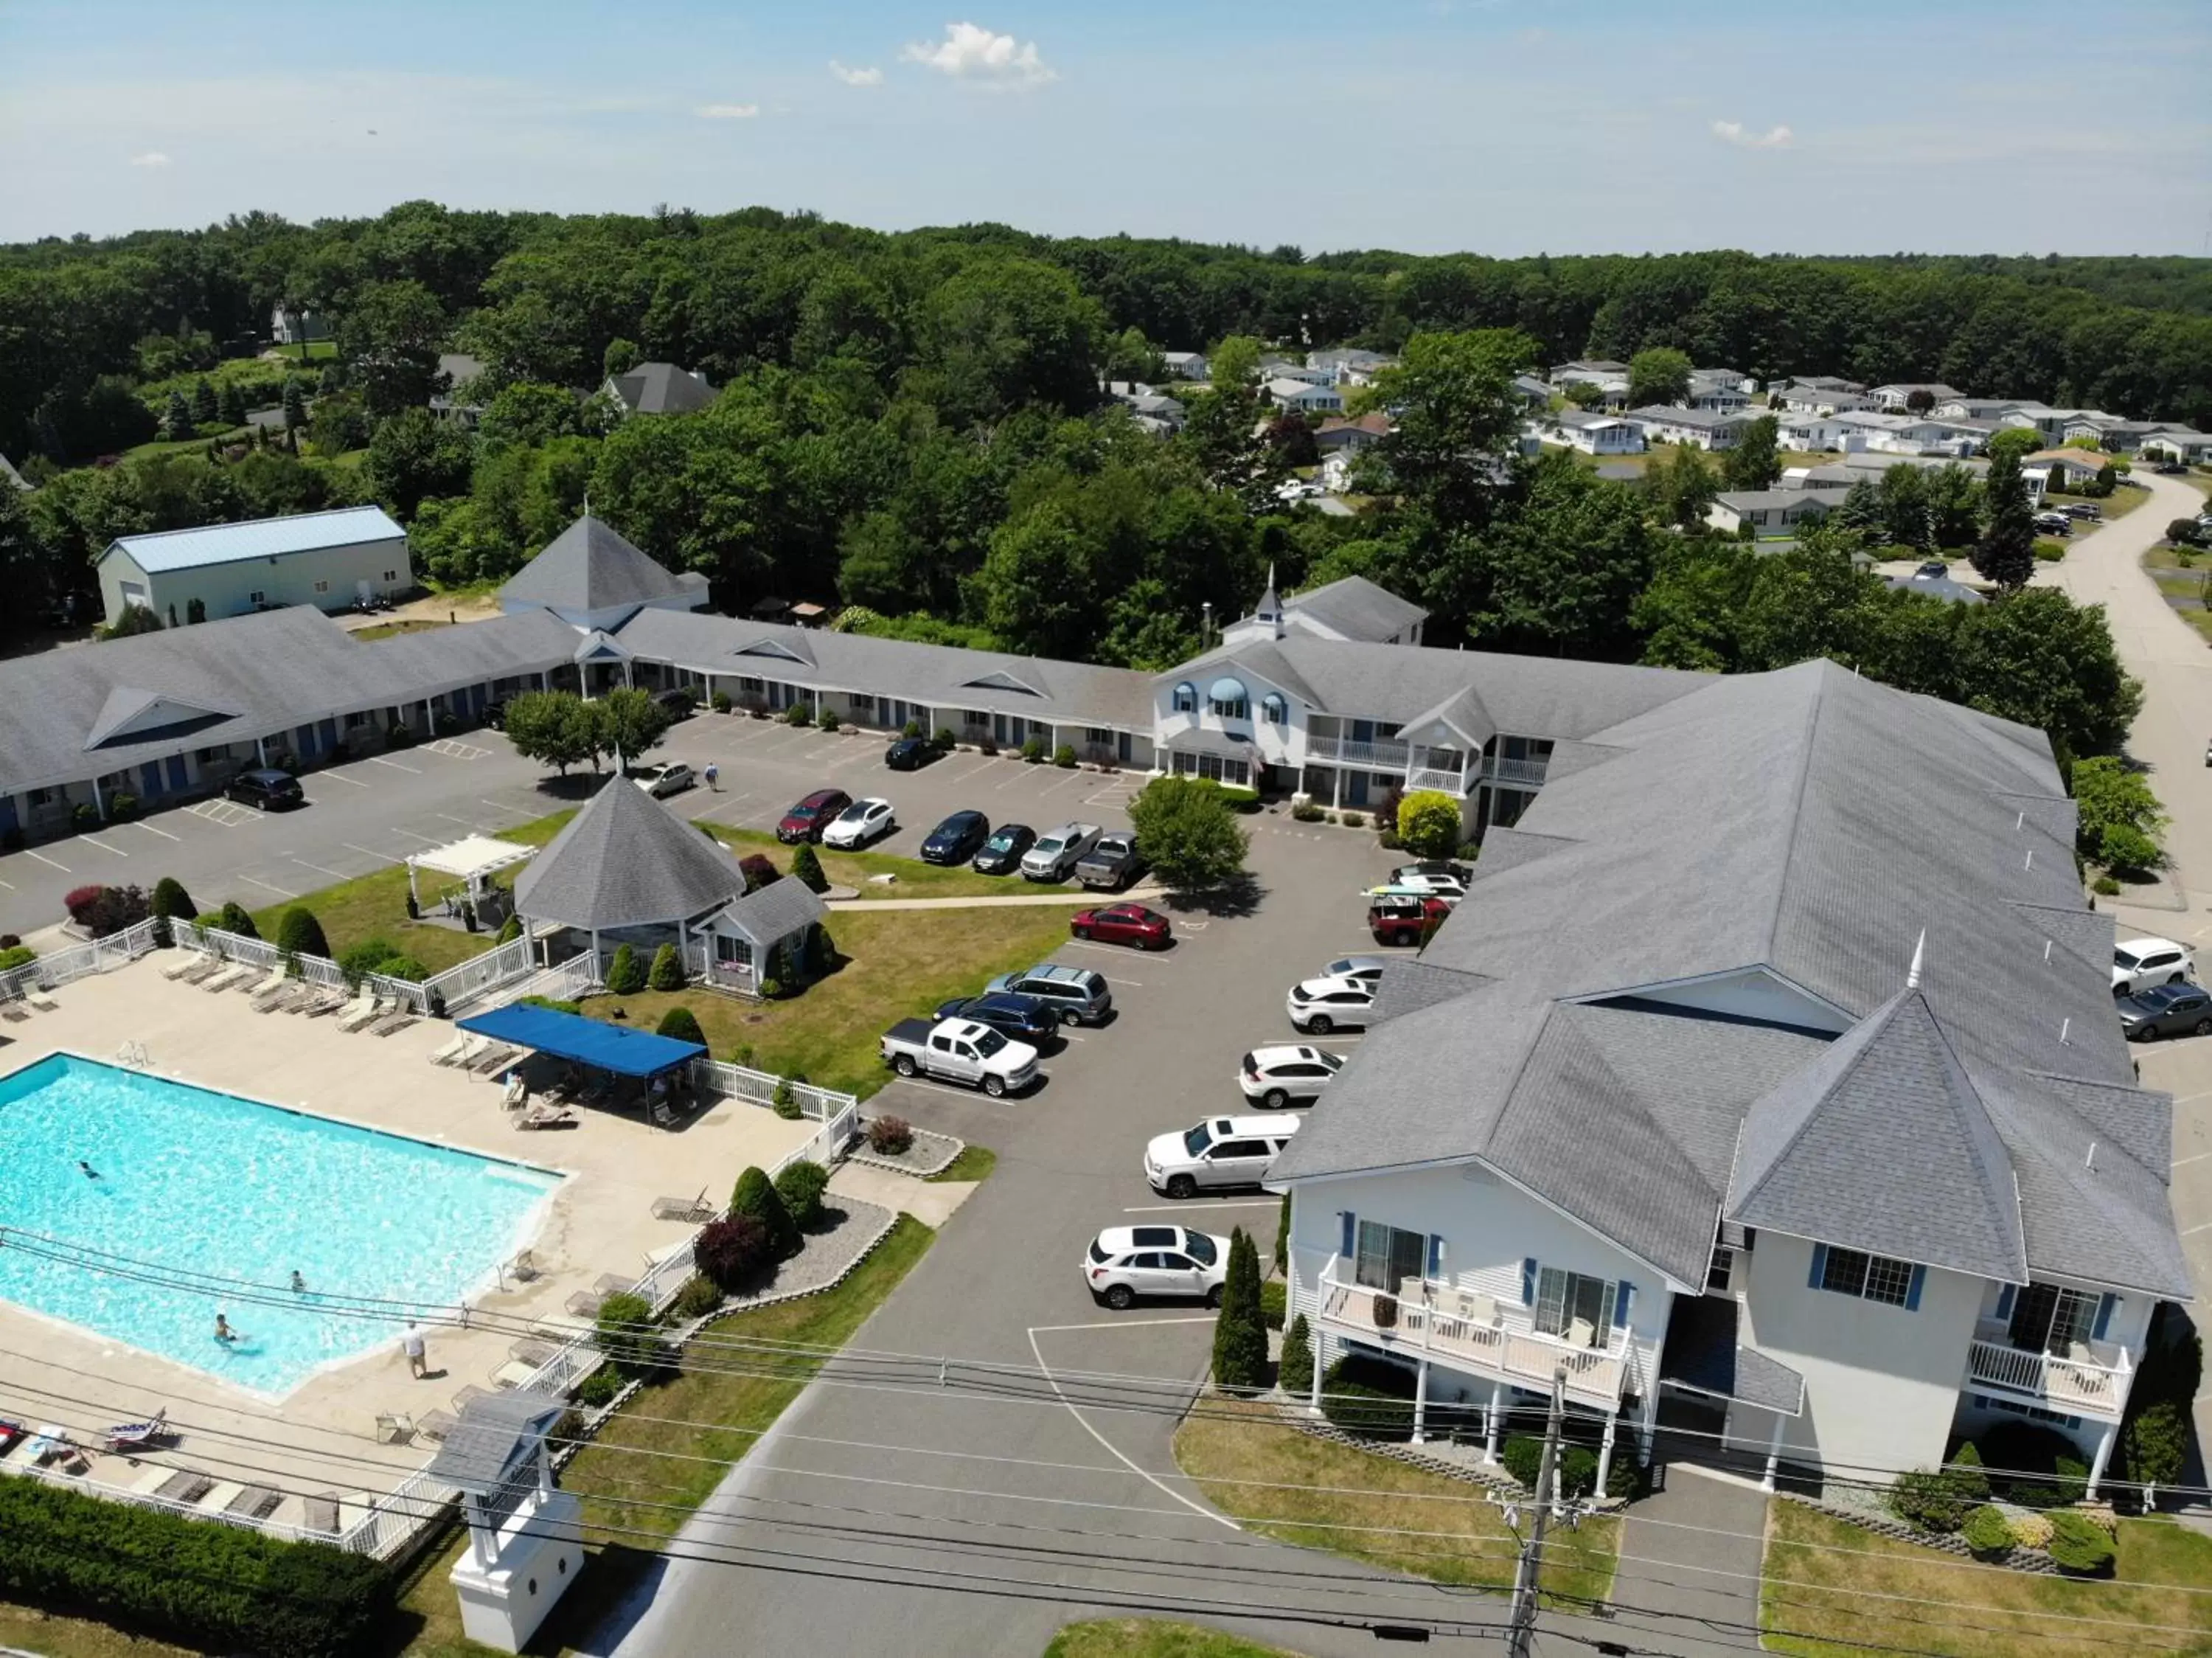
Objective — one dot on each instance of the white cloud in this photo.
(726, 112)
(856, 77)
(968, 52)
(1735, 132)
(151, 158)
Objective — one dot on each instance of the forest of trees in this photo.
(912, 424)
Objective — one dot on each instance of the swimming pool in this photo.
(211, 1183)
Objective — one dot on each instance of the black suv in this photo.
(910, 754)
(956, 839)
(1022, 1017)
(1001, 855)
(676, 701)
(268, 789)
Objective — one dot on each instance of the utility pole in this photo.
(1522, 1634)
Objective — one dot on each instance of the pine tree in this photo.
(1294, 1370)
(806, 868)
(204, 401)
(295, 405)
(667, 969)
(177, 418)
(230, 404)
(757, 1196)
(2006, 553)
(1240, 1334)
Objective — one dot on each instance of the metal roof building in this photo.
(331, 560)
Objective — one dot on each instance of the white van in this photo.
(1221, 1151)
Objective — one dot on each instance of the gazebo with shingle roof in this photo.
(628, 865)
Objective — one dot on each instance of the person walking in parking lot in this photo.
(714, 777)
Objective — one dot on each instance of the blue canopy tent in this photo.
(591, 1042)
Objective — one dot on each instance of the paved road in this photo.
(2175, 665)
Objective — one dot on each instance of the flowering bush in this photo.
(889, 1135)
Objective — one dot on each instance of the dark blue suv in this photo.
(1022, 1017)
(956, 839)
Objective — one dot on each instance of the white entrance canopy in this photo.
(473, 859)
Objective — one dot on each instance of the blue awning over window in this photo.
(1274, 705)
(1185, 692)
(1228, 689)
(591, 1042)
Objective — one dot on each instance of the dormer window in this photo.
(1186, 698)
(1227, 699)
(1273, 709)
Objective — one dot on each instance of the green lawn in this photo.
(1815, 1588)
(55, 1636)
(916, 878)
(1248, 1442)
(973, 1163)
(1152, 1637)
(898, 963)
(374, 905)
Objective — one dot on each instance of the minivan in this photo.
(266, 787)
(1078, 995)
(1059, 851)
(1221, 1151)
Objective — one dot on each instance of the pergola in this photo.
(473, 861)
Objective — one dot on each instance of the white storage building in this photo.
(330, 560)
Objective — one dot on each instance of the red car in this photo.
(1405, 917)
(1123, 923)
(807, 819)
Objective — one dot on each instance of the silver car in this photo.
(661, 781)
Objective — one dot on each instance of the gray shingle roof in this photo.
(663, 388)
(494, 1433)
(590, 566)
(945, 678)
(1808, 824)
(1703, 1354)
(273, 670)
(1882, 1144)
(626, 860)
(1357, 608)
(776, 910)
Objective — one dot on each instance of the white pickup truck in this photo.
(961, 1051)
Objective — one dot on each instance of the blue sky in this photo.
(1429, 125)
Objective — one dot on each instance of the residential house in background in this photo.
(1975, 408)
(2183, 444)
(1701, 429)
(331, 560)
(1818, 394)
(1825, 1150)
(1351, 436)
(2065, 469)
(1350, 365)
(1723, 380)
(1593, 434)
(1937, 587)
(1898, 395)
(8, 475)
(1536, 394)
(660, 388)
(296, 328)
(1303, 395)
(1767, 511)
(1351, 608)
(457, 401)
(1187, 365)
(1274, 366)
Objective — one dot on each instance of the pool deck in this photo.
(322, 1437)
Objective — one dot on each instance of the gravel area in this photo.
(928, 1154)
(827, 1256)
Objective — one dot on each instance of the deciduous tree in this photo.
(1660, 374)
(2006, 553)
(1190, 833)
(1755, 461)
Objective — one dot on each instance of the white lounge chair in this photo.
(185, 961)
(365, 1010)
(203, 970)
(517, 1094)
(233, 974)
(459, 1051)
(40, 998)
(269, 983)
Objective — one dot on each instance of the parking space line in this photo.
(2191, 1231)
(280, 892)
(1142, 1472)
(340, 776)
(378, 759)
(367, 852)
(1117, 949)
(428, 840)
(465, 823)
(151, 830)
(44, 859)
(94, 840)
(2195, 1157)
(9, 885)
(335, 874)
(957, 1094)
(1201, 1203)
(1121, 1324)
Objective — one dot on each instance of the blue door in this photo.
(329, 732)
(179, 775)
(1355, 791)
(1362, 731)
(999, 729)
(8, 824)
(477, 700)
(150, 778)
(1122, 751)
(304, 740)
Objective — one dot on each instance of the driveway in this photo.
(2175, 665)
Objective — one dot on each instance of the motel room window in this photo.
(1870, 1277)
(257, 597)
(322, 586)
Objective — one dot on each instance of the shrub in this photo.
(233, 919)
(79, 900)
(1240, 1333)
(667, 973)
(2182, 532)
(1294, 1368)
(700, 1297)
(946, 740)
(889, 1135)
(600, 1387)
(806, 868)
(1924, 1497)
(820, 952)
(365, 958)
(801, 1187)
(770, 989)
(1354, 820)
(509, 931)
(1523, 1457)
(2032, 1531)
(757, 1196)
(827, 719)
(1968, 1482)
(1306, 812)
(1032, 749)
(719, 702)
(399, 734)
(298, 933)
(1274, 1296)
(911, 728)
(217, 1588)
(396, 965)
(2156, 1443)
(17, 955)
(797, 715)
(2079, 1546)
(1988, 1533)
(1064, 757)
(733, 1251)
(2050, 552)
(759, 870)
(84, 815)
(1371, 1396)
(625, 973)
(626, 1337)
(682, 1024)
(2127, 850)
(2039, 1468)
(785, 1101)
(2104, 886)
(1428, 824)
(1386, 814)
(987, 745)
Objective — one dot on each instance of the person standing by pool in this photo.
(418, 1356)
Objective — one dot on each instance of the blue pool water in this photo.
(213, 1184)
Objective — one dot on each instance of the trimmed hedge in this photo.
(801, 1187)
(221, 1587)
(298, 933)
(1988, 1533)
(2079, 1546)
(757, 1197)
(683, 1024)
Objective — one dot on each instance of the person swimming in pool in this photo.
(298, 1284)
(223, 1332)
(88, 1170)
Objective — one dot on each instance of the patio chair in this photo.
(143, 1435)
(13, 1011)
(185, 1486)
(497, 1059)
(697, 1211)
(185, 961)
(254, 1502)
(523, 1269)
(394, 1427)
(203, 970)
(40, 998)
(277, 987)
(512, 1375)
(364, 1010)
(463, 1046)
(531, 1352)
(394, 1023)
(322, 1514)
(232, 975)
(268, 984)
(545, 1117)
(435, 1425)
(517, 1092)
(286, 998)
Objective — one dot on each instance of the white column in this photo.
(1774, 1451)
(261, 751)
(99, 804)
(544, 680)
(412, 891)
(544, 1468)
(1605, 1449)
(1489, 1422)
(1336, 798)
(1420, 1401)
(482, 1536)
(1647, 1425)
(2104, 1455)
(1313, 1389)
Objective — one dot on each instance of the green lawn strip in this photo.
(973, 1163)
(896, 964)
(1822, 1574)
(916, 878)
(387, 629)
(627, 1491)
(58, 1635)
(374, 905)
(1315, 1492)
(1152, 1638)
(2119, 503)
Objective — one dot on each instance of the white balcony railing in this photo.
(2098, 1382)
(1429, 777)
(1456, 1328)
(1378, 754)
(1526, 774)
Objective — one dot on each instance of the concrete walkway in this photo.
(1681, 1588)
(931, 1202)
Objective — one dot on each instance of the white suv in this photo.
(1059, 851)
(1322, 1005)
(1125, 1262)
(2140, 963)
(1222, 1151)
(1275, 1077)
